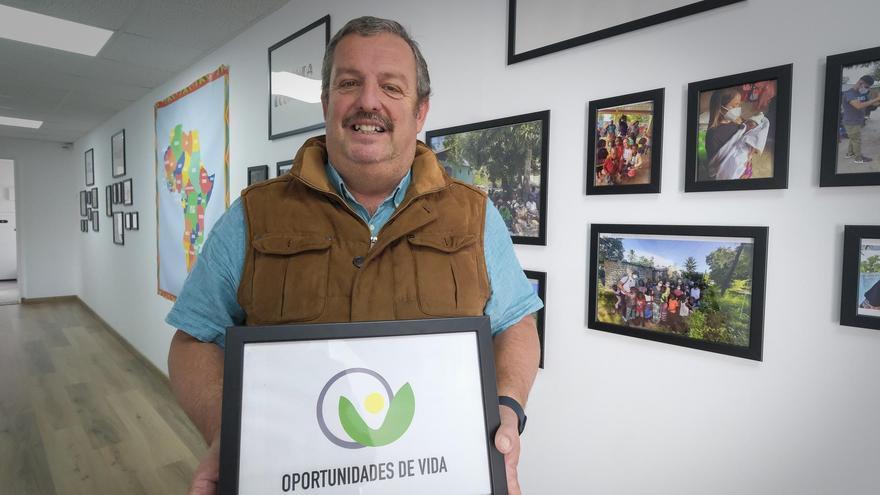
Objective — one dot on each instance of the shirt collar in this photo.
(396, 196)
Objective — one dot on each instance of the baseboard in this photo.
(122, 340)
(39, 300)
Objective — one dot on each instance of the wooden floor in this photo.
(80, 414)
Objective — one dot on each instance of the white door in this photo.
(8, 261)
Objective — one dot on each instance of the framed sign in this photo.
(860, 291)
(391, 407)
(850, 137)
(694, 286)
(507, 159)
(295, 80)
(117, 154)
(541, 27)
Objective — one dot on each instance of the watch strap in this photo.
(510, 402)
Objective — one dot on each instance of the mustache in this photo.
(379, 119)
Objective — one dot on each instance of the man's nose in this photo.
(368, 99)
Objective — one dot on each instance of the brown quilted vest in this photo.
(308, 256)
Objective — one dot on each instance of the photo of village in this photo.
(695, 287)
(869, 278)
(623, 144)
(504, 162)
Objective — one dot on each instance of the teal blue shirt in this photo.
(208, 302)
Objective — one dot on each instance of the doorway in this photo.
(9, 290)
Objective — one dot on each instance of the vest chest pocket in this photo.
(447, 274)
(290, 276)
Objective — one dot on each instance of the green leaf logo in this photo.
(399, 412)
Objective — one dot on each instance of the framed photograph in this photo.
(135, 221)
(295, 80)
(850, 137)
(117, 193)
(541, 27)
(90, 167)
(83, 225)
(368, 391)
(118, 228)
(127, 193)
(282, 168)
(860, 291)
(624, 139)
(117, 154)
(257, 173)
(693, 286)
(93, 198)
(127, 222)
(737, 131)
(108, 200)
(84, 202)
(508, 159)
(94, 219)
(539, 285)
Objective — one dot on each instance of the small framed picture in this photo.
(94, 218)
(860, 291)
(625, 134)
(83, 225)
(282, 168)
(507, 159)
(118, 228)
(135, 221)
(90, 167)
(539, 285)
(117, 193)
(93, 196)
(295, 80)
(108, 200)
(737, 131)
(257, 173)
(694, 286)
(127, 221)
(117, 154)
(850, 136)
(127, 193)
(84, 202)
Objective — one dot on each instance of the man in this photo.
(343, 236)
(855, 103)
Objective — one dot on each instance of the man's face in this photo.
(371, 110)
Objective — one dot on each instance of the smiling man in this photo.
(366, 226)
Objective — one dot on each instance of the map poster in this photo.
(192, 174)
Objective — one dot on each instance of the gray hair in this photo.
(370, 26)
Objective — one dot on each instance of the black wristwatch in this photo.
(510, 402)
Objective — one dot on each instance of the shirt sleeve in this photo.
(512, 296)
(208, 302)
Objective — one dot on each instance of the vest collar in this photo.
(308, 166)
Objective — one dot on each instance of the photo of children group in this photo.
(623, 144)
(504, 161)
(696, 287)
(869, 278)
(736, 133)
(858, 134)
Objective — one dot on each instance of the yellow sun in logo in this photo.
(374, 402)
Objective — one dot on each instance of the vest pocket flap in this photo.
(448, 243)
(287, 244)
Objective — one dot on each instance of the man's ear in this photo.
(422, 113)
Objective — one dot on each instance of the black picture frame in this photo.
(127, 221)
(83, 225)
(257, 173)
(541, 291)
(135, 221)
(857, 308)
(94, 220)
(84, 202)
(118, 228)
(433, 137)
(311, 65)
(781, 123)
(237, 338)
(89, 157)
(708, 300)
(655, 142)
(108, 200)
(832, 127)
(514, 57)
(127, 192)
(93, 198)
(282, 168)
(117, 154)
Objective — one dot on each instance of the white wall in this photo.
(609, 414)
(47, 183)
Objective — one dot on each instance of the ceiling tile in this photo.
(148, 52)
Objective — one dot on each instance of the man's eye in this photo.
(347, 84)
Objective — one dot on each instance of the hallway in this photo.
(81, 414)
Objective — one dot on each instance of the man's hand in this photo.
(507, 442)
(207, 475)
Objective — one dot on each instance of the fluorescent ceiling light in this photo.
(33, 124)
(52, 32)
(296, 86)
